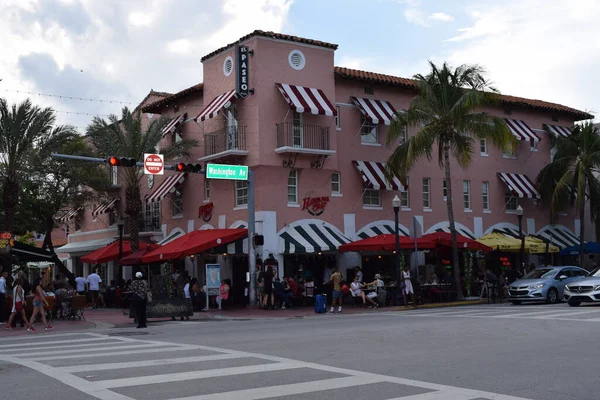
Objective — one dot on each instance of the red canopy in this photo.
(193, 243)
(386, 242)
(135, 258)
(109, 253)
(462, 242)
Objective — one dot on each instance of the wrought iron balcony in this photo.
(303, 138)
(229, 141)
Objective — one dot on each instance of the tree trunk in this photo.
(459, 294)
(581, 232)
(48, 237)
(133, 209)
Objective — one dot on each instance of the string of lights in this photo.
(60, 96)
(82, 113)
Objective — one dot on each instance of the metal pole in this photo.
(397, 243)
(103, 160)
(251, 249)
(522, 249)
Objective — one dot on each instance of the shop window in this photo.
(292, 187)
(485, 195)
(467, 195)
(336, 183)
(426, 192)
(178, 201)
(241, 193)
(368, 131)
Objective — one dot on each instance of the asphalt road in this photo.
(500, 352)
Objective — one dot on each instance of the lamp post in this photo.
(521, 236)
(120, 224)
(396, 204)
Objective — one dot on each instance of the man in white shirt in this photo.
(94, 281)
(3, 295)
(80, 282)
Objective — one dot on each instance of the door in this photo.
(560, 283)
(298, 130)
(231, 133)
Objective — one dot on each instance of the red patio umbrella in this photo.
(135, 258)
(109, 253)
(463, 242)
(193, 243)
(386, 242)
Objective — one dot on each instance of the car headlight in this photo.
(541, 285)
(597, 287)
(567, 289)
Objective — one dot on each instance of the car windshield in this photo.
(542, 273)
(595, 272)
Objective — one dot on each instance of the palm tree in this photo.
(447, 109)
(572, 176)
(124, 137)
(22, 128)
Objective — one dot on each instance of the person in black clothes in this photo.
(139, 287)
(268, 288)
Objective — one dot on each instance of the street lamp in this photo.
(521, 236)
(396, 204)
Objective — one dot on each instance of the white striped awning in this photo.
(70, 214)
(558, 131)
(381, 229)
(166, 187)
(175, 122)
(105, 207)
(510, 232)
(459, 230)
(303, 99)
(373, 174)
(213, 108)
(521, 130)
(311, 237)
(376, 111)
(558, 236)
(520, 185)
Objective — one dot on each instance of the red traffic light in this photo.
(121, 161)
(183, 167)
(113, 161)
(180, 167)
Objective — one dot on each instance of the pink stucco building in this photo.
(314, 134)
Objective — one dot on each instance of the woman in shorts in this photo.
(39, 301)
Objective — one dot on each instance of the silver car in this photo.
(544, 284)
(586, 290)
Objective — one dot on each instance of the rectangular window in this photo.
(206, 190)
(371, 197)
(509, 153)
(533, 145)
(403, 135)
(511, 202)
(292, 187)
(368, 131)
(369, 90)
(241, 193)
(338, 119)
(112, 218)
(178, 201)
(336, 183)
(298, 130)
(445, 189)
(467, 195)
(114, 175)
(426, 192)
(404, 197)
(483, 147)
(152, 217)
(485, 195)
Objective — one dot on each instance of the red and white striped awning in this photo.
(303, 99)
(558, 131)
(373, 174)
(521, 130)
(376, 111)
(105, 207)
(171, 126)
(166, 187)
(520, 185)
(70, 214)
(213, 108)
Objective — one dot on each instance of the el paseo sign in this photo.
(205, 212)
(315, 206)
(242, 82)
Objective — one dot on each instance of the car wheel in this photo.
(574, 303)
(516, 302)
(552, 296)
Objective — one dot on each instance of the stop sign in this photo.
(154, 164)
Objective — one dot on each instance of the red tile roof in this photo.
(273, 35)
(372, 77)
(157, 105)
(151, 93)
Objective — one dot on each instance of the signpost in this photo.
(154, 164)
(213, 281)
(230, 172)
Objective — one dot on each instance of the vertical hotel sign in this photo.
(242, 83)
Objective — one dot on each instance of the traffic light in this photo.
(183, 167)
(121, 161)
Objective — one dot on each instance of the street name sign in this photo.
(154, 164)
(231, 172)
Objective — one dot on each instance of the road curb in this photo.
(443, 305)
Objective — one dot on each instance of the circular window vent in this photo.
(228, 66)
(296, 60)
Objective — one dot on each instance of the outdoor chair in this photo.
(309, 295)
(78, 307)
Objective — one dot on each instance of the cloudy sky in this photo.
(120, 49)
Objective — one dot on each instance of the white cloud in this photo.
(140, 19)
(440, 16)
(414, 14)
(353, 62)
(544, 49)
(179, 46)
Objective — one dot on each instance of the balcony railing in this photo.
(229, 138)
(302, 136)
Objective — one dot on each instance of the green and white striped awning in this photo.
(311, 237)
(380, 229)
(558, 236)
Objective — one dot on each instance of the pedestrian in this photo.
(94, 281)
(407, 287)
(268, 288)
(260, 285)
(18, 305)
(139, 287)
(3, 295)
(27, 289)
(356, 289)
(223, 293)
(336, 293)
(359, 274)
(39, 302)
(187, 294)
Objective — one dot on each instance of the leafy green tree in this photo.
(448, 112)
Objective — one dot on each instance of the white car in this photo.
(586, 290)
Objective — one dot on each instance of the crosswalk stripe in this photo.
(444, 313)
(437, 396)
(286, 390)
(146, 363)
(65, 346)
(568, 314)
(90, 351)
(184, 376)
(25, 343)
(521, 315)
(112, 353)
